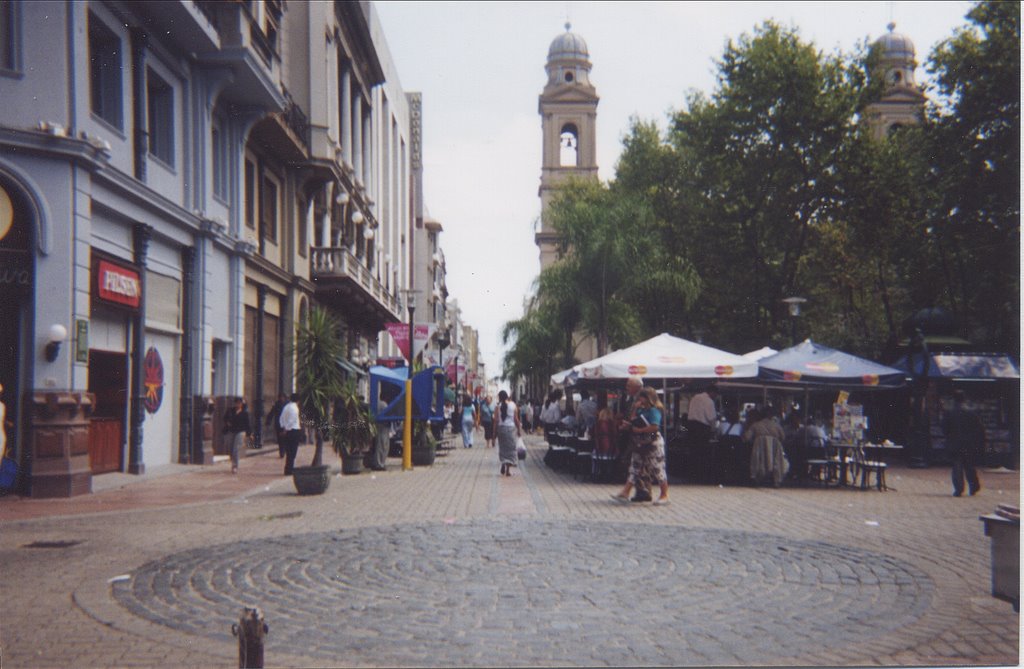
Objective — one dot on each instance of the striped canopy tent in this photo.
(813, 365)
(661, 357)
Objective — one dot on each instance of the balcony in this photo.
(342, 280)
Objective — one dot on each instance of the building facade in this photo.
(205, 174)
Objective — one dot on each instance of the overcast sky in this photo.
(480, 67)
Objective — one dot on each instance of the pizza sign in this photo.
(153, 379)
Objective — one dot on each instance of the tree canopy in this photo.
(773, 185)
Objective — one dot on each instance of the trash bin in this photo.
(1003, 527)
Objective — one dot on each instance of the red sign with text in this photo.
(118, 284)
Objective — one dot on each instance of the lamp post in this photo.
(794, 310)
(407, 429)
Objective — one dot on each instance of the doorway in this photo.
(108, 381)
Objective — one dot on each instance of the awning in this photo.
(350, 368)
(962, 366)
(811, 364)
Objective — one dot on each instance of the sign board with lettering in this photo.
(117, 284)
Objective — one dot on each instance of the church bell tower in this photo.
(902, 101)
(568, 111)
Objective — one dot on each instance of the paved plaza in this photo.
(453, 565)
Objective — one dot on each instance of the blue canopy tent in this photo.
(965, 366)
(427, 394)
(813, 365)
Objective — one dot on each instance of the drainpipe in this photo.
(140, 116)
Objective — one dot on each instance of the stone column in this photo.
(137, 410)
(59, 443)
(202, 430)
(346, 116)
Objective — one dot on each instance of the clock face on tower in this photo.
(893, 77)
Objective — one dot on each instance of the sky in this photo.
(480, 68)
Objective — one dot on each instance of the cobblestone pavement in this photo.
(453, 565)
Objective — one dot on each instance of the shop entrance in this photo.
(108, 380)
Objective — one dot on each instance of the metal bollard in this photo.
(250, 630)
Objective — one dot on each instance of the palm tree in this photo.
(320, 381)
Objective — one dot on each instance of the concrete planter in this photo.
(312, 480)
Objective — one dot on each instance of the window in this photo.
(105, 72)
(160, 106)
(569, 143)
(219, 144)
(268, 209)
(9, 43)
(250, 194)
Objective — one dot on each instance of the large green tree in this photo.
(758, 168)
(974, 145)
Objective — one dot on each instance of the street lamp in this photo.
(407, 428)
(794, 310)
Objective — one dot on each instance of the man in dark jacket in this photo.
(965, 441)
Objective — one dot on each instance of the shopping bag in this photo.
(8, 472)
(520, 448)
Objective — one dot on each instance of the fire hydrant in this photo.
(250, 630)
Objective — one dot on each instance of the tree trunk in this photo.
(318, 454)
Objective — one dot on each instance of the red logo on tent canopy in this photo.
(723, 370)
(637, 369)
(869, 379)
(791, 376)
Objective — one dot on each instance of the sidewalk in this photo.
(167, 485)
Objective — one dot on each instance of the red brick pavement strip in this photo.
(188, 485)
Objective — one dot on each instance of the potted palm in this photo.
(354, 429)
(320, 381)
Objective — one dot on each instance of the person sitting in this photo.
(766, 455)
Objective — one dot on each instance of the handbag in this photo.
(8, 472)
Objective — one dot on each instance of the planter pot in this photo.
(312, 480)
(352, 464)
(423, 457)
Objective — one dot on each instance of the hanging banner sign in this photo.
(421, 335)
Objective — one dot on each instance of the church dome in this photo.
(568, 45)
(895, 46)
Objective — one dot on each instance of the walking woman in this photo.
(648, 460)
(509, 428)
(470, 420)
(236, 430)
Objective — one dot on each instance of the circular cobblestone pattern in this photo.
(531, 592)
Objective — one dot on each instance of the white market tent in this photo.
(763, 352)
(662, 357)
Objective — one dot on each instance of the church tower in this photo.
(568, 111)
(902, 101)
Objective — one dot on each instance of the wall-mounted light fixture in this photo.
(57, 334)
(369, 233)
(357, 217)
(341, 198)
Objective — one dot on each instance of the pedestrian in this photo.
(634, 384)
(509, 429)
(647, 462)
(236, 430)
(528, 416)
(4, 424)
(291, 429)
(701, 419)
(273, 420)
(487, 420)
(965, 443)
(470, 420)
